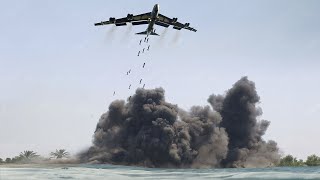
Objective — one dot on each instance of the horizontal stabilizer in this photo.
(143, 32)
(155, 34)
(146, 33)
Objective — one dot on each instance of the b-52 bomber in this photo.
(150, 18)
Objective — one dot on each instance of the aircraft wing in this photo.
(103, 23)
(134, 19)
(166, 22)
(164, 19)
(179, 26)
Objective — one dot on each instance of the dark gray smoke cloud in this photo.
(148, 131)
(239, 111)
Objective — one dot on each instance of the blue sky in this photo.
(58, 71)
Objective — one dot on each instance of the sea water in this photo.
(97, 172)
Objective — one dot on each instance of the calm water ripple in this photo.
(97, 172)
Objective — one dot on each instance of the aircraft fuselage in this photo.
(154, 16)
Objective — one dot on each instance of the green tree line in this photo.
(289, 160)
(31, 156)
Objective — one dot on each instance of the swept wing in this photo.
(134, 19)
(166, 22)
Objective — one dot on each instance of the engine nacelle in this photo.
(186, 24)
(112, 20)
(174, 20)
(129, 16)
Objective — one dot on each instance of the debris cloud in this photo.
(147, 131)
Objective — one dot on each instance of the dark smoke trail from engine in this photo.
(127, 33)
(147, 131)
(110, 34)
(161, 39)
(164, 33)
(176, 37)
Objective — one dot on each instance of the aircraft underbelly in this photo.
(151, 24)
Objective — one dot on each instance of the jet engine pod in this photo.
(112, 20)
(129, 16)
(186, 24)
(174, 20)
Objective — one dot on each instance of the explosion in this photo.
(148, 131)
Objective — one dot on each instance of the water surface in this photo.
(97, 172)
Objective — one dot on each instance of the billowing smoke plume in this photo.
(238, 109)
(148, 131)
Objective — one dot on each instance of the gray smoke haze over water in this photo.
(148, 131)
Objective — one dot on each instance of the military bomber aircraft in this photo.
(151, 18)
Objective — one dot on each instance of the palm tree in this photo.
(27, 155)
(8, 160)
(313, 160)
(61, 153)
